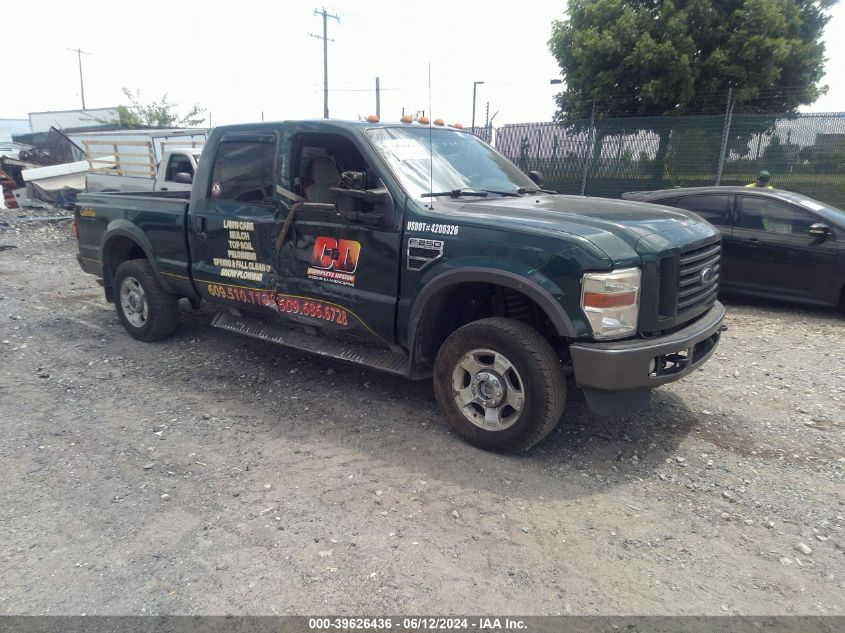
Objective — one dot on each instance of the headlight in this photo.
(612, 302)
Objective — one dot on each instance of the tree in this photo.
(155, 114)
(674, 57)
(661, 57)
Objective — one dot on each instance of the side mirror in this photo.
(183, 177)
(536, 177)
(819, 231)
(352, 205)
(353, 180)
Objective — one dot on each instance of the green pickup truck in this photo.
(420, 251)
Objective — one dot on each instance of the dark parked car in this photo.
(775, 244)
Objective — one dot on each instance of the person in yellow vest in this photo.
(764, 180)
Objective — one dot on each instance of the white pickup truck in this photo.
(175, 172)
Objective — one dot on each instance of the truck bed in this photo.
(155, 220)
(113, 183)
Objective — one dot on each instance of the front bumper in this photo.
(645, 363)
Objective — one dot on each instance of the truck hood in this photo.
(614, 226)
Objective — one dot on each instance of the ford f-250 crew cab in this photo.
(418, 251)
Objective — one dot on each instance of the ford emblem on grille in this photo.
(708, 276)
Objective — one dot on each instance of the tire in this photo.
(510, 379)
(145, 309)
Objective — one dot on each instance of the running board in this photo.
(380, 359)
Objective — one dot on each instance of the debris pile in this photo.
(8, 186)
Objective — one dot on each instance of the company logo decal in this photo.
(334, 261)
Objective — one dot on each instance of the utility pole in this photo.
(490, 129)
(326, 40)
(725, 131)
(378, 98)
(79, 52)
(475, 85)
(589, 157)
(487, 123)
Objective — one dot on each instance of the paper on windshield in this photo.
(406, 148)
(813, 206)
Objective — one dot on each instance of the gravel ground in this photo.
(213, 474)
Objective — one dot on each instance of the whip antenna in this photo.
(430, 147)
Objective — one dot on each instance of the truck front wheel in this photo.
(499, 384)
(145, 309)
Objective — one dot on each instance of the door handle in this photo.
(752, 242)
(199, 224)
(163, 189)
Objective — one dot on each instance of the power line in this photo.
(326, 40)
(370, 89)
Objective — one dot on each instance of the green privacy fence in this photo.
(803, 152)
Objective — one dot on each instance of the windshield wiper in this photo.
(455, 193)
(522, 190)
(480, 193)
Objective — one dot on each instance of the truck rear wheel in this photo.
(499, 384)
(145, 309)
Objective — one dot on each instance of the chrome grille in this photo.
(698, 281)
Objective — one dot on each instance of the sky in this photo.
(241, 60)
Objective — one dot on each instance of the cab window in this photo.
(323, 158)
(243, 172)
(771, 216)
(713, 208)
(179, 164)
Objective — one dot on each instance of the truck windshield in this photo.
(458, 161)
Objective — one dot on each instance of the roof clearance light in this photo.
(372, 118)
(459, 126)
(438, 121)
(407, 119)
(423, 120)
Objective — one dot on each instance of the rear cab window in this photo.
(243, 172)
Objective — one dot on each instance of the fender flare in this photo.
(531, 289)
(124, 228)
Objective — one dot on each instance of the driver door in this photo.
(338, 272)
(773, 254)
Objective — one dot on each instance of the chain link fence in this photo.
(606, 157)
